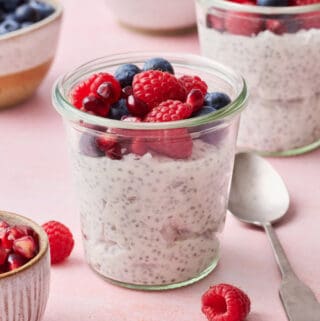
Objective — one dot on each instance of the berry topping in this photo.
(18, 245)
(224, 302)
(272, 3)
(88, 146)
(81, 91)
(243, 23)
(60, 240)
(169, 110)
(26, 13)
(110, 146)
(174, 143)
(44, 9)
(154, 87)
(8, 25)
(215, 22)
(193, 82)
(195, 99)
(25, 246)
(113, 90)
(125, 73)
(15, 261)
(95, 105)
(217, 100)
(126, 92)
(158, 64)
(205, 110)
(118, 110)
(136, 106)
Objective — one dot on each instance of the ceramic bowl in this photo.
(25, 57)
(24, 291)
(164, 15)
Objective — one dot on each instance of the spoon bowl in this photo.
(258, 194)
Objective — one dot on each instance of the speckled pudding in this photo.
(151, 219)
(153, 222)
(283, 74)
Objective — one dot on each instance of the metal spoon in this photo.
(259, 196)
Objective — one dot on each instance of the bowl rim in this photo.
(37, 25)
(43, 239)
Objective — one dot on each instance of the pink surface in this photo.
(35, 181)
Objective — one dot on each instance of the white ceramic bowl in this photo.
(25, 57)
(24, 291)
(164, 15)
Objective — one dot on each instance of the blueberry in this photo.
(9, 5)
(272, 3)
(2, 15)
(118, 110)
(125, 73)
(8, 25)
(44, 9)
(26, 13)
(205, 110)
(88, 146)
(216, 100)
(158, 64)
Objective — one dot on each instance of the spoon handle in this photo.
(298, 299)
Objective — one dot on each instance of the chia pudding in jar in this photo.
(275, 45)
(152, 184)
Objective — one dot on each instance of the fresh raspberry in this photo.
(82, 90)
(155, 86)
(113, 85)
(224, 302)
(169, 110)
(60, 240)
(193, 82)
(175, 143)
(243, 23)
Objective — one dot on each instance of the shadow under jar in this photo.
(152, 222)
(277, 50)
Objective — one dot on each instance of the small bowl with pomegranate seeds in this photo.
(152, 140)
(24, 268)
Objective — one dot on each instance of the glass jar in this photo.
(151, 218)
(277, 50)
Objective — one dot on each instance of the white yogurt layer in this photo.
(151, 219)
(283, 75)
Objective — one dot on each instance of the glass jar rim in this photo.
(264, 10)
(68, 111)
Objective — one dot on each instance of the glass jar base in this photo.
(286, 153)
(161, 287)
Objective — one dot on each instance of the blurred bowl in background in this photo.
(24, 291)
(26, 56)
(150, 15)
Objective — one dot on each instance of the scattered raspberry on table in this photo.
(225, 302)
(60, 240)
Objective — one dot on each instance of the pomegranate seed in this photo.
(137, 107)
(105, 91)
(105, 142)
(9, 235)
(93, 104)
(15, 261)
(195, 99)
(25, 246)
(114, 152)
(126, 92)
(3, 255)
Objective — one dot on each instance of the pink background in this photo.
(35, 181)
